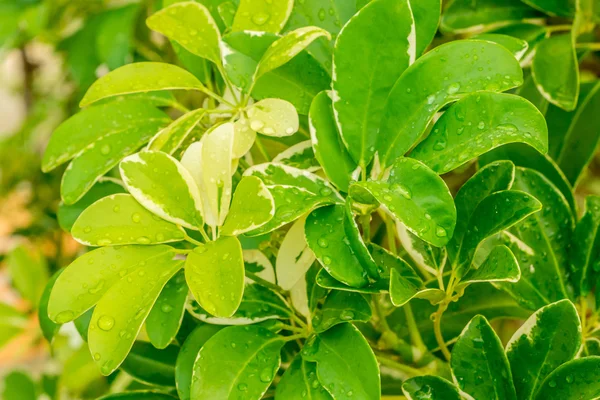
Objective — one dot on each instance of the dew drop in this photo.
(136, 217)
(106, 322)
(440, 232)
(323, 242)
(260, 18)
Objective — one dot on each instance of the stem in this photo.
(391, 233)
(366, 227)
(415, 335)
(557, 28)
(178, 106)
(294, 337)
(380, 314)
(293, 328)
(400, 367)
(262, 149)
(588, 46)
(437, 328)
(191, 239)
(263, 282)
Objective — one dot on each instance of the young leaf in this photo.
(120, 313)
(555, 70)
(402, 291)
(341, 375)
(327, 142)
(427, 18)
(119, 219)
(325, 280)
(384, 30)
(86, 279)
(549, 338)
(574, 135)
(513, 44)
(252, 206)
(79, 132)
(301, 378)
(141, 77)
(328, 241)
(163, 186)
(184, 366)
(171, 137)
(165, 318)
(479, 363)
(499, 266)
(463, 16)
(419, 198)
(273, 117)
(576, 379)
(213, 269)
(237, 362)
(497, 212)
(423, 254)
(190, 25)
(478, 123)
(294, 257)
(423, 89)
(243, 138)
(430, 387)
(287, 47)
(341, 307)
(586, 242)
(150, 365)
(259, 15)
(294, 190)
(493, 177)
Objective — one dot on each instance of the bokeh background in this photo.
(50, 52)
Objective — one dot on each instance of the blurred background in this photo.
(50, 53)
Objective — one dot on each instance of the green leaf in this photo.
(427, 18)
(150, 365)
(252, 206)
(479, 364)
(555, 70)
(540, 243)
(273, 117)
(287, 47)
(574, 135)
(342, 376)
(295, 191)
(237, 362)
(190, 25)
(416, 196)
(81, 285)
(463, 16)
(301, 378)
(184, 366)
(493, 177)
(562, 8)
(513, 44)
(327, 143)
(527, 157)
(114, 38)
(576, 379)
(49, 327)
(120, 313)
(28, 271)
(499, 266)
(121, 118)
(495, 213)
(209, 163)
(163, 186)
(325, 280)
(119, 219)
(403, 290)
(549, 338)
(300, 155)
(430, 388)
(260, 15)
(68, 213)
(141, 77)
(18, 385)
(423, 90)
(213, 269)
(341, 307)
(424, 255)
(12, 323)
(243, 138)
(294, 257)
(171, 137)
(166, 315)
(478, 123)
(384, 31)
(138, 395)
(328, 242)
(585, 244)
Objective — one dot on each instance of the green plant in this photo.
(367, 240)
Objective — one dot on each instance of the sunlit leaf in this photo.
(294, 257)
(430, 388)
(273, 117)
(171, 137)
(252, 206)
(341, 307)
(259, 15)
(299, 378)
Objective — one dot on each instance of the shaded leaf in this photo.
(430, 388)
(150, 365)
(301, 378)
(576, 379)
(499, 266)
(586, 246)
(341, 307)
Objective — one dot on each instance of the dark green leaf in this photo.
(576, 379)
(499, 266)
(585, 252)
(402, 291)
(150, 365)
(300, 382)
(430, 388)
(341, 307)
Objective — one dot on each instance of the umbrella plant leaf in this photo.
(259, 15)
(252, 206)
